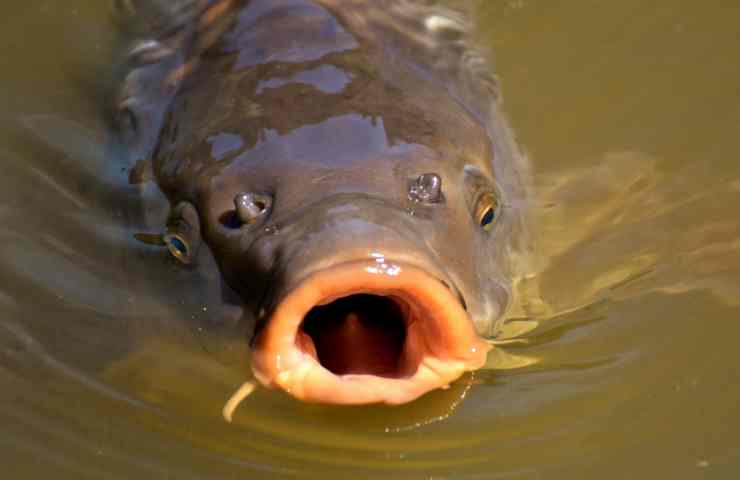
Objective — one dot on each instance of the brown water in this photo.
(115, 362)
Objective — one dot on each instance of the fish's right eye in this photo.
(487, 211)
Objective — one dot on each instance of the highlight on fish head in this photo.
(352, 200)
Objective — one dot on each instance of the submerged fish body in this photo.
(347, 165)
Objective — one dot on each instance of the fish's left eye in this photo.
(487, 211)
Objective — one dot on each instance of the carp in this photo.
(348, 166)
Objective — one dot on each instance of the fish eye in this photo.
(183, 233)
(486, 211)
(178, 247)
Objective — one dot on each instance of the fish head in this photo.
(373, 267)
(354, 206)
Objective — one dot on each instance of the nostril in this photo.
(427, 188)
(231, 220)
(251, 208)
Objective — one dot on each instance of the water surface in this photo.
(115, 362)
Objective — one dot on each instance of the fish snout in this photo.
(359, 313)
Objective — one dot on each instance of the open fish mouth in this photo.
(363, 332)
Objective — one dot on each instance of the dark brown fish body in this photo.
(347, 165)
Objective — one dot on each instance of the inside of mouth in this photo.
(359, 334)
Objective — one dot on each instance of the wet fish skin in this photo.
(333, 110)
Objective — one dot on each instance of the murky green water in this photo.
(115, 362)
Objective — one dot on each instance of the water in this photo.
(115, 361)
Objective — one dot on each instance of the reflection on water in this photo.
(115, 362)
